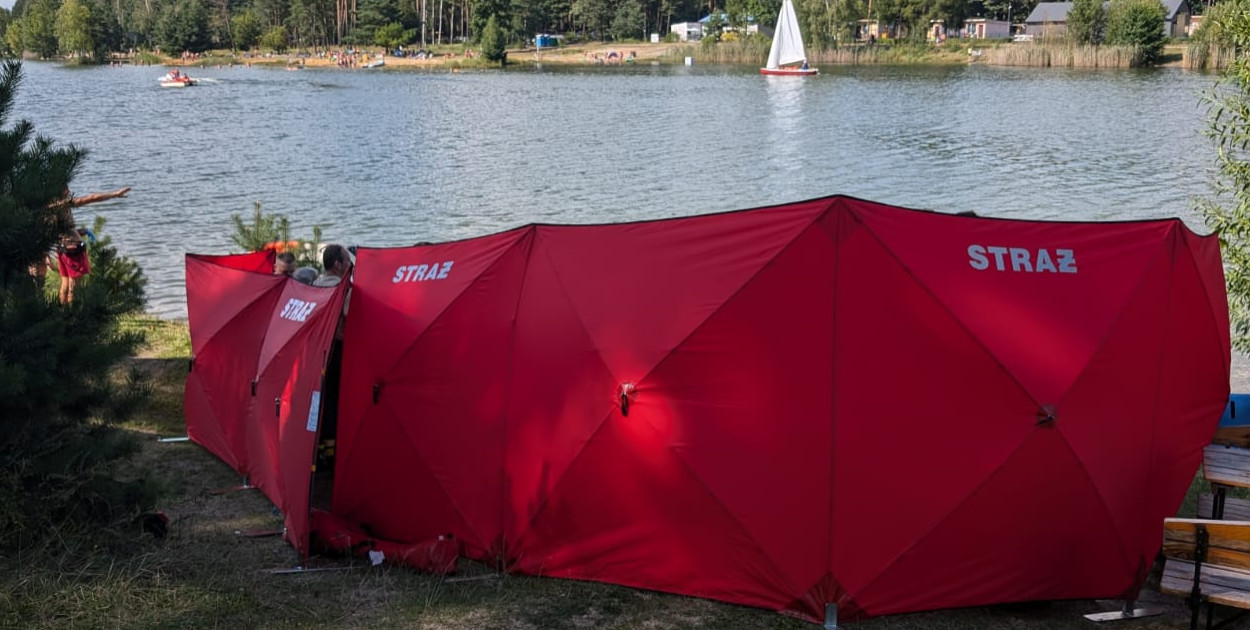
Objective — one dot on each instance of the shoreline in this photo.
(639, 53)
(595, 53)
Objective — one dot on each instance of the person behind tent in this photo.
(284, 264)
(337, 261)
(307, 275)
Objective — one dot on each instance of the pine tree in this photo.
(60, 394)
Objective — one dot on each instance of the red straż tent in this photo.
(259, 346)
(832, 401)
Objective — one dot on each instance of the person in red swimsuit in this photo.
(71, 251)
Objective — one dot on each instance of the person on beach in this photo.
(72, 264)
(71, 241)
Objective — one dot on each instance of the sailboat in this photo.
(787, 56)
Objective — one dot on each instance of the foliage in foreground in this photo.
(273, 231)
(1228, 211)
(59, 398)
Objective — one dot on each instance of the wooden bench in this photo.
(1225, 467)
(1208, 562)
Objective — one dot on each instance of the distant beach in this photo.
(591, 53)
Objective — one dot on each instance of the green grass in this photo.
(204, 575)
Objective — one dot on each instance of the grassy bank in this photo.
(204, 575)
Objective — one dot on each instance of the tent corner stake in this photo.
(831, 616)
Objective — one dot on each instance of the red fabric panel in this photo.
(283, 425)
(228, 313)
(1012, 304)
(260, 262)
(338, 535)
(408, 336)
(922, 413)
(253, 327)
(830, 401)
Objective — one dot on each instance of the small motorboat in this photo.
(174, 78)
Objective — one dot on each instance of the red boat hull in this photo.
(792, 72)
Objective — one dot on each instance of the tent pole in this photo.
(831, 616)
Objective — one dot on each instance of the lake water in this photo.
(392, 158)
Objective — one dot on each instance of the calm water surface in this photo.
(391, 158)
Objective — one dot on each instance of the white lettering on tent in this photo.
(1067, 260)
(421, 273)
(1021, 259)
(1044, 263)
(314, 411)
(297, 310)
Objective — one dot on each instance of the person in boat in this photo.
(804, 66)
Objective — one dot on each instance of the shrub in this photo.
(273, 231)
(59, 392)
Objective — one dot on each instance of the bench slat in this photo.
(1234, 509)
(1226, 465)
(1215, 556)
(1232, 436)
(1228, 587)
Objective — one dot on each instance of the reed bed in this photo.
(755, 52)
(1062, 56)
(1204, 55)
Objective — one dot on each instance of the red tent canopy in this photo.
(829, 401)
(261, 262)
(259, 346)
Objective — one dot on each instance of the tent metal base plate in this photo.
(474, 578)
(1117, 615)
(259, 533)
(304, 570)
(230, 489)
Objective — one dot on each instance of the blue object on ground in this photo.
(1237, 411)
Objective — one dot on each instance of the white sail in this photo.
(787, 41)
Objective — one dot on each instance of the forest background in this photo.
(92, 31)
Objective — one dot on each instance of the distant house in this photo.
(1195, 21)
(865, 29)
(974, 28)
(874, 29)
(1050, 19)
(1176, 19)
(688, 31)
(938, 32)
(751, 28)
(982, 28)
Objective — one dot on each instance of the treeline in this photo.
(89, 30)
